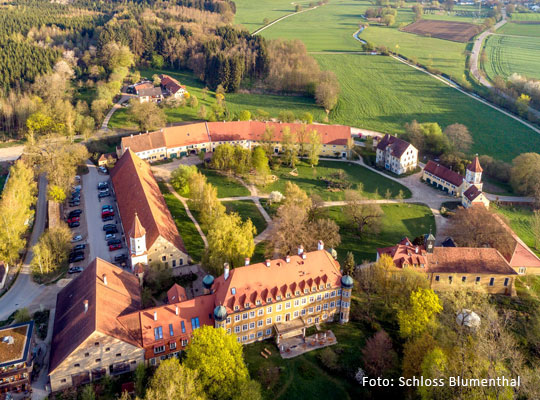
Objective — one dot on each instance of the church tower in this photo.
(473, 175)
(137, 243)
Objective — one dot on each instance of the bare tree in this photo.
(362, 214)
(459, 137)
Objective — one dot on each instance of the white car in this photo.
(110, 236)
(76, 238)
(77, 187)
(78, 178)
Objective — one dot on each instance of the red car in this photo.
(106, 213)
(74, 219)
(113, 247)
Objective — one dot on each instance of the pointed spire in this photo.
(475, 166)
(137, 230)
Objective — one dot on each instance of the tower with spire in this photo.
(137, 243)
(473, 175)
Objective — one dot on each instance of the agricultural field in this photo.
(448, 30)
(520, 219)
(531, 30)
(312, 180)
(399, 220)
(511, 54)
(526, 17)
(399, 94)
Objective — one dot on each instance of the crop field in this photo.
(531, 30)
(380, 93)
(526, 17)
(448, 30)
(509, 54)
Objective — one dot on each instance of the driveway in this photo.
(92, 209)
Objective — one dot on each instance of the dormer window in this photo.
(321, 287)
(258, 302)
(288, 295)
(269, 300)
(246, 305)
(233, 291)
(278, 298)
(236, 308)
(297, 293)
(327, 285)
(305, 290)
(314, 289)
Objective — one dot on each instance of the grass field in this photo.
(305, 377)
(526, 17)
(380, 93)
(251, 14)
(520, 29)
(226, 187)
(247, 209)
(510, 54)
(192, 240)
(309, 179)
(520, 222)
(399, 220)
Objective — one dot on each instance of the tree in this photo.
(202, 112)
(314, 147)
(259, 161)
(210, 207)
(362, 215)
(218, 359)
(56, 194)
(306, 117)
(286, 116)
(418, 11)
(88, 392)
(295, 195)
(18, 196)
(389, 20)
(424, 304)
(459, 137)
(525, 174)
(193, 102)
(414, 352)
(289, 146)
(51, 251)
(140, 380)
(22, 315)
(115, 55)
(349, 264)
(229, 241)
(378, 354)
(180, 178)
(173, 381)
(478, 227)
(148, 116)
(244, 115)
(329, 359)
(327, 91)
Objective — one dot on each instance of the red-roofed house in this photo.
(171, 87)
(396, 155)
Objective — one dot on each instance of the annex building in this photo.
(16, 358)
(182, 140)
(450, 267)
(151, 233)
(396, 155)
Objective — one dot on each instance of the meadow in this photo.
(511, 54)
(520, 219)
(520, 29)
(526, 17)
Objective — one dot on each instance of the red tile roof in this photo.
(170, 84)
(138, 192)
(137, 230)
(184, 135)
(475, 165)
(144, 141)
(444, 173)
(176, 294)
(468, 260)
(397, 146)
(405, 253)
(107, 303)
(472, 193)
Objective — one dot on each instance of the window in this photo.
(339, 292)
(326, 295)
(333, 293)
(252, 325)
(278, 298)
(86, 354)
(63, 381)
(237, 318)
(195, 323)
(245, 315)
(328, 285)
(237, 329)
(463, 279)
(172, 345)
(260, 323)
(450, 279)
(228, 320)
(437, 278)
(164, 258)
(269, 300)
(477, 281)
(278, 318)
(310, 310)
(321, 287)
(245, 327)
(305, 291)
(108, 349)
(304, 300)
(77, 365)
(251, 336)
(118, 354)
(491, 281)
(252, 314)
(229, 331)
(311, 299)
(268, 332)
(279, 307)
(159, 349)
(171, 331)
(260, 312)
(522, 270)
(259, 334)
(233, 291)
(183, 326)
(268, 321)
(288, 295)
(98, 360)
(244, 338)
(309, 320)
(184, 342)
(258, 302)
(174, 263)
(314, 289)
(296, 313)
(158, 333)
(325, 306)
(318, 307)
(296, 303)
(236, 308)
(152, 361)
(247, 305)
(319, 297)
(288, 305)
(96, 344)
(506, 280)
(297, 293)
(303, 312)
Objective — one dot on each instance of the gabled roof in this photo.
(397, 146)
(176, 294)
(152, 92)
(474, 166)
(468, 260)
(144, 141)
(472, 193)
(275, 279)
(444, 173)
(107, 303)
(138, 192)
(184, 135)
(405, 254)
(137, 229)
(170, 84)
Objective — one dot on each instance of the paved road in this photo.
(92, 209)
(24, 291)
(104, 126)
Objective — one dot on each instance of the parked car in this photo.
(109, 226)
(77, 187)
(75, 213)
(74, 203)
(111, 230)
(107, 218)
(103, 185)
(113, 241)
(76, 258)
(76, 252)
(107, 214)
(75, 270)
(110, 236)
(74, 224)
(106, 207)
(103, 194)
(73, 219)
(115, 247)
(103, 170)
(76, 238)
(81, 246)
(121, 258)
(75, 198)
(78, 178)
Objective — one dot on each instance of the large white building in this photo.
(396, 155)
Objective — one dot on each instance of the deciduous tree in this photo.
(173, 381)
(289, 147)
(148, 116)
(525, 174)
(424, 304)
(379, 355)
(180, 178)
(363, 216)
(459, 137)
(259, 161)
(314, 147)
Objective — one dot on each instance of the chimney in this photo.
(246, 261)
(105, 279)
(226, 271)
(85, 305)
(304, 256)
(300, 250)
(320, 245)
(176, 310)
(288, 259)
(267, 262)
(155, 315)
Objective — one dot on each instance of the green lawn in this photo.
(192, 240)
(510, 54)
(259, 254)
(251, 14)
(305, 377)
(526, 17)
(520, 222)
(247, 209)
(399, 220)
(520, 29)
(382, 94)
(311, 180)
(226, 186)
